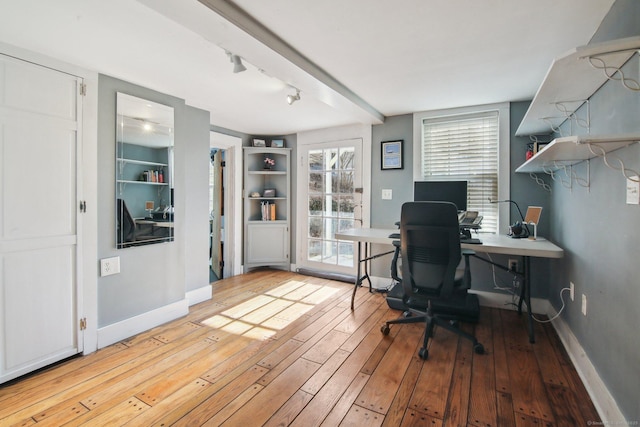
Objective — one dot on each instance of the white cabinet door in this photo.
(268, 243)
(39, 299)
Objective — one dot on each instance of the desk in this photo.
(496, 244)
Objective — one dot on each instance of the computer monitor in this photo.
(441, 191)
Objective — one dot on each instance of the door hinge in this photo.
(83, 206)
(83, 323)
(83, 89)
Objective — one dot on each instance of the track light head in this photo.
(293, 98)
(238, 67)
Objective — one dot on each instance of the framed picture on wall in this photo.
(391, 155)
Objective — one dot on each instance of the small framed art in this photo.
(259, 143)
(277, 143)
(391, 155)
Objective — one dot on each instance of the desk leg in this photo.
(525, 295)
(358, 280)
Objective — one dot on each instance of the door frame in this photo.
(232, 251)
(321, 136)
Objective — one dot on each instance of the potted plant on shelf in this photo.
(269, 163)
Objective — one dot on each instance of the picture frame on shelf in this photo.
(391, 155)
(277, 143)
(259, 142)
(269, 192)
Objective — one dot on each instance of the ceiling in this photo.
(355, 61)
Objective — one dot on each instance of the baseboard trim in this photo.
(143, 322)
(199, 295)
(602, 399)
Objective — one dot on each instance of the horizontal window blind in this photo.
(465, 147)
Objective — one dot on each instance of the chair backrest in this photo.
(430, 247)
(126, 224)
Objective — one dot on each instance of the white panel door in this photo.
(39, 299)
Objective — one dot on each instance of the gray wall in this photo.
(384, 213)
(155, 275)
(196, 203)
(600, 235)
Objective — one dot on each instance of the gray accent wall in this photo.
(600, 235)
(384, 213)
(153, 276)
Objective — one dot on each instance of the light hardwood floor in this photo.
(276, 348)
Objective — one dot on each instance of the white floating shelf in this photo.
(572, 80)
(573, 149)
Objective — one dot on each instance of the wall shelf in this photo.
(124, 181)
(567, 151)
(141, 162)
(570, 81)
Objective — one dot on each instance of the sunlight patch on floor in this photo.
(261, 317)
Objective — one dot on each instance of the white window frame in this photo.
(504, 133)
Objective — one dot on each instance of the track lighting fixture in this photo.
(238, 66)
(293, 98)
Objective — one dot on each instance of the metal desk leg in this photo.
(357, 283)
(525, 295)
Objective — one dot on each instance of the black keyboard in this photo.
(471, 241)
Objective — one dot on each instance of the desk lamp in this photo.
(533, 218)
(518, 227)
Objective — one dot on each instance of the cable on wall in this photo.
(557, 314)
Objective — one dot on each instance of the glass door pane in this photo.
(331, 204)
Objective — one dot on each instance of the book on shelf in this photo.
(268, 211)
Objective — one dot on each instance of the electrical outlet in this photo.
(584, 304)
(572, 291)
(109, 266)
(513, 265)
(387, 194)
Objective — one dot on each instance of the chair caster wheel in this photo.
(478, 348)
(423, 353)
(407, 314)
(385, 329)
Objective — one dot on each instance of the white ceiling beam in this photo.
(247, 23)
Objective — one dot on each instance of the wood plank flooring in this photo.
(275, 348)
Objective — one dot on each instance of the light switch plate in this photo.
(387, 194)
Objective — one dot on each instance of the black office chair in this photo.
(128, 233)
(430, 251)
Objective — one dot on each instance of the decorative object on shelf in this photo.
(277, 143)
(259, 142)
(269, 192)
(269, 163)
(391, 155)
(254, 194)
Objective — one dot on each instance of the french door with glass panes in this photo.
(333, 198)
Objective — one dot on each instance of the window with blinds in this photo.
(465, 147)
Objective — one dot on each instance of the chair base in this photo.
(395, 297)
(432, 318)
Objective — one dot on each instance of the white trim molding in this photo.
(196, 296)
(143, 322)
